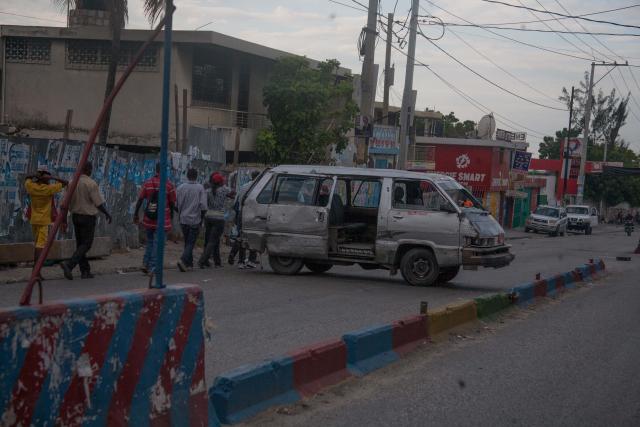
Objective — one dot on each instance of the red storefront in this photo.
(483, 166)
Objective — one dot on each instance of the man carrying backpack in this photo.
(149, 193)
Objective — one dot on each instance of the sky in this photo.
(321, 29)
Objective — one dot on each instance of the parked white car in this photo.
(547, 219)
(582, 218)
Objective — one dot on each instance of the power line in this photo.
(468, 98)
(32, 17)
(533, 30)
(559, 18)
(491, 82)
(558, 34)
(510, 38)
(629, 92)
(347, 5)
(560, 14)
(501, 68)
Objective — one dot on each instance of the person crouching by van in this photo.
(149, 193)
(42, 210)
(238, 244)
(214, 220)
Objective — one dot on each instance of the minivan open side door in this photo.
(298, 216)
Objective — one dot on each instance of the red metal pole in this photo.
(26, 295)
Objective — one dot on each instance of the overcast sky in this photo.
(321, 29)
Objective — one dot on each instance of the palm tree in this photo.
(119, 12)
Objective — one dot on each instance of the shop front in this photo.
(383, 147)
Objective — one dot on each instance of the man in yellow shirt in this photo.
(41, 192)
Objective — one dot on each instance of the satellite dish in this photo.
(486, 127)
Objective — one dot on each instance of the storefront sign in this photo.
(521, 161)
(505, 135)
(384, 140)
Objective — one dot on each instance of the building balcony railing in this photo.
(234, 118)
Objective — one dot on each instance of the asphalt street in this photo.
(570, 361)
(257, 314)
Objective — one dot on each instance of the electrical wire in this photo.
(468, 98)
(535, 30)
(347, 5)
(503, 69)
(629, 92)
(619, 91)
(32, 17)
(492, 82)
(617, 24)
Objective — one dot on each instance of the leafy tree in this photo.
(454, 128)
(550, 147)
(119, 12)
(310, 110)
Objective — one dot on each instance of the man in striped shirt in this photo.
(149, 194)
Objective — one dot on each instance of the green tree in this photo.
(119, 11)
(310, 110)
(454, 128)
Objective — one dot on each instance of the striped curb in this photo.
(244, 392)
(127, 358)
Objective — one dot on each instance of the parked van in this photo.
(424, 225)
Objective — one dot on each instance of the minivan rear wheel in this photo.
(419, 267)
(285, 265)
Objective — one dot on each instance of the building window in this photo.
(28, 50)
(96, 54)
(211, 77)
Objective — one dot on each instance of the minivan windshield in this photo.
(546, 211)
(578, 210)
(460, 195)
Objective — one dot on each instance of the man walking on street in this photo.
(192, 205)
(214, 220)
(86, 202)
(149, 193)
(238, 246)
(42, 208)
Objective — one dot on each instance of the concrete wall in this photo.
(119, 174)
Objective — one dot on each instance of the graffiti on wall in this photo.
(119, 174)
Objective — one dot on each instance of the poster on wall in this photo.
(384, 140)
(521, 161)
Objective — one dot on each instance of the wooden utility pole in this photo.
(67, 124)
(177, 109)
(367, 81)
(407, 95)
(183, 145)
(388, 73)
(567, 160)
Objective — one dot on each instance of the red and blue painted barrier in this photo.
(319, 366)
(369, 349)
(131, 358)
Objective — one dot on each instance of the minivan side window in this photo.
(365, 193)
(295, 190)
(416, 195)
(265, 196)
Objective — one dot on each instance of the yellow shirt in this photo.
(86, 198)
(41, 195)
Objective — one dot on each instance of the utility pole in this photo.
(407, 95)
(587, 117)
(367, 81)
(388, 73)
(567, 160)
(585, 138)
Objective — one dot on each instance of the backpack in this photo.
(151, 210)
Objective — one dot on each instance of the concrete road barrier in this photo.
(408, 333)
(524, 294)
(243, 392)
(126, 358)
(319, 366)
(369, 349)
(540, 288)
(451, 316)
(13, 253)
(491, 304)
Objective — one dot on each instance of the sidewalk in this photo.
(117, 262)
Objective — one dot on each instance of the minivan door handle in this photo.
(261, 218)
(398, 216)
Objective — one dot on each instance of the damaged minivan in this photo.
(424, 225)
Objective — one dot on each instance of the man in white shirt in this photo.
(192, 205)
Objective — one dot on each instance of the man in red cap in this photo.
(214, 219)
(149, 194)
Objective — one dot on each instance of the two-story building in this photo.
(49, 70)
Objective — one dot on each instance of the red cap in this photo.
(216, 178)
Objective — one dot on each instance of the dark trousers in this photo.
(213, 231)
(239, 249)
(85, 227)
(190, 235)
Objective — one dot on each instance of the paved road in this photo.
(568, 362)
(258, 314)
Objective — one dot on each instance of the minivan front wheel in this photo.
(285, 265)
(419, 267)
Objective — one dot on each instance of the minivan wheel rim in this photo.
(421, 268)
(285, 261)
